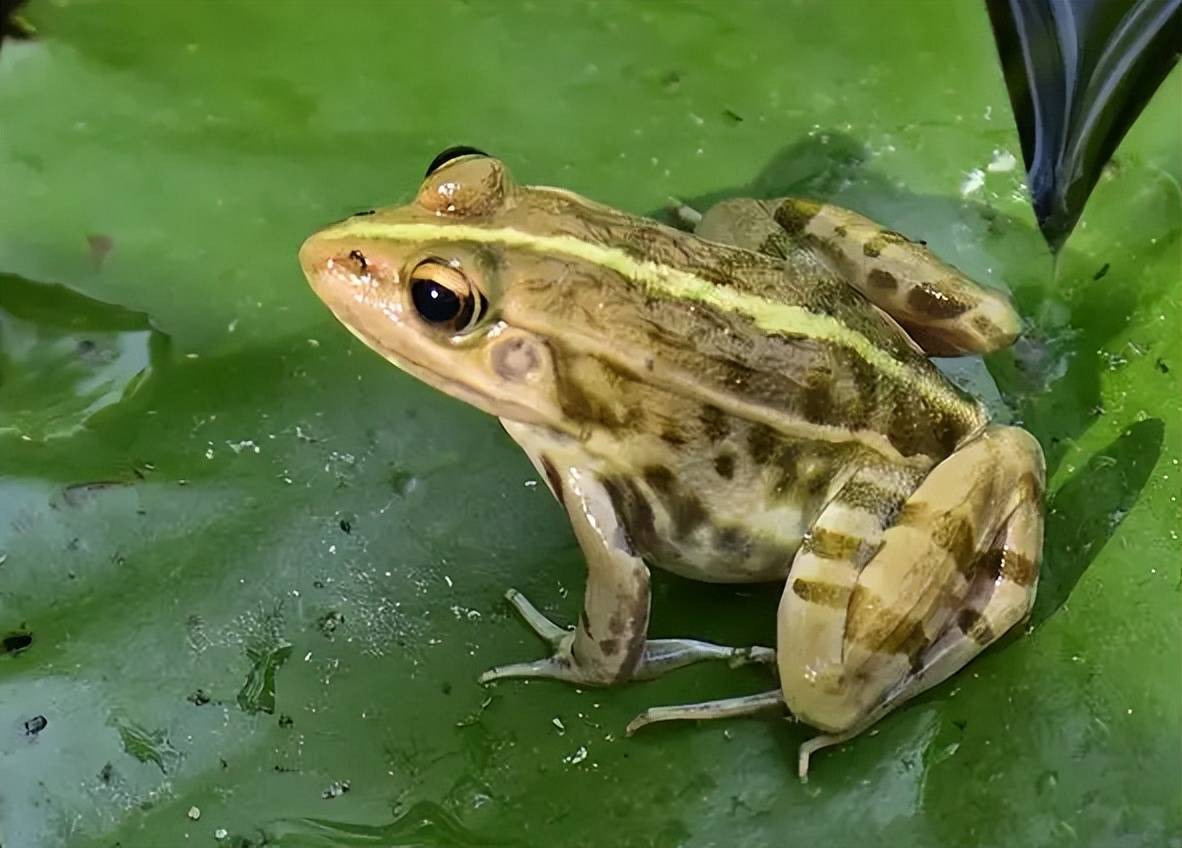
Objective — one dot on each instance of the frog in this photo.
(746, 395)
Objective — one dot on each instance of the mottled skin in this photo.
(739, 404)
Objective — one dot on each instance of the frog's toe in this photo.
(555, 668)
(753, 654)
(550, 632)
(815, 744)
(560, 666)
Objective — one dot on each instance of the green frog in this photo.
(751, 401)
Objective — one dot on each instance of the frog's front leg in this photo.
(609, 644)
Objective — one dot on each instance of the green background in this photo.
(255, 561)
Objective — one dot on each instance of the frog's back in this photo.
(782, 342)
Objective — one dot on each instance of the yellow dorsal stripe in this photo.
(768, 315)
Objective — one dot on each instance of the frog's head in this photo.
(426, 284)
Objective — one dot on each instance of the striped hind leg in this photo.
(940, 307)
(955, 570)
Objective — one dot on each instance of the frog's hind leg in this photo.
(944, 311)
(1002, 595)
(955, 570)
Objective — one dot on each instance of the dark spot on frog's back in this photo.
(737, 375)
(715, 424)
(882, 280)
(934, 303)
(817, 404)
(672, 435)
(879, 242)
(776, 244)
(762, 442)
(724, 465)
(794, 215)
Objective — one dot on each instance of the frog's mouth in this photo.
(499, 407)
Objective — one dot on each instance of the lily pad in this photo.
(273, 511)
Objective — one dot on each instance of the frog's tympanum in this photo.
(749, 402)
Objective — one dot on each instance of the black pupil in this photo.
(436, 303)
(452, 153)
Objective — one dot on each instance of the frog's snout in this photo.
(330, 264)
(313, 257)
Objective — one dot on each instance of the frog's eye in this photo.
(443, 297)
(452, 153)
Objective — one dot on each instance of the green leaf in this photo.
(241, 537)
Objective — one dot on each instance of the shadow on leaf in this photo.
(1086, 510)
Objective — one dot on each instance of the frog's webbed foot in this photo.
(559, 666)
(656, 657)
(817, 743)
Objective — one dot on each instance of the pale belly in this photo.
(732, 510)
(721, 535)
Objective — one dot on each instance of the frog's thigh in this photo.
(956, 570)
(942, 309)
